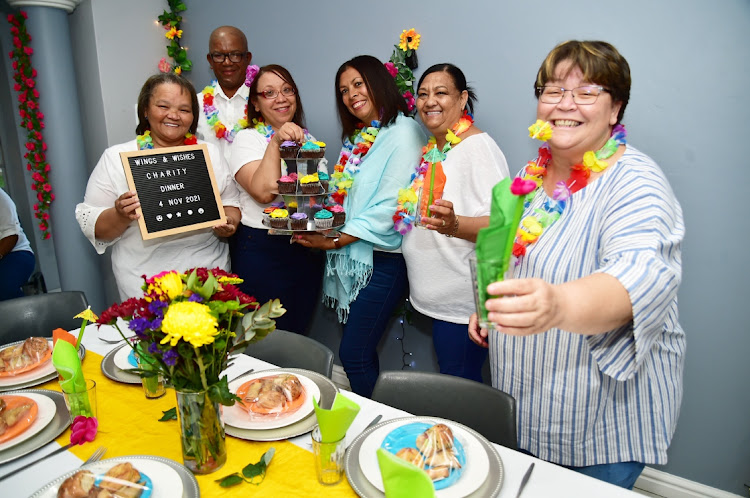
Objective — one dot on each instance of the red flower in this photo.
(46, 236)
(23, 14)
(208, 100)
(35, 93)
(17, 87)
(39, 116)
(45, 216)
(47, 187)
(31, 104)
(28, 50)
(44, 146)
(29, 82)
(38, 195)
(518, 250)
(29, 146)
(51, 196)
(36, 207)
(191, 141)
(29, 123)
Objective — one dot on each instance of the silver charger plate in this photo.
(190, 487)
(328, 392)
(112, 371)
(362, 486)
(40, 380)
(57, 426)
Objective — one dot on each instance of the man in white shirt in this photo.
(224, 102)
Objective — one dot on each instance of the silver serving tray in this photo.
(362, 486)
(112, 371)
(40, 380)
(328, 392)
(190, 487)
(57, 426)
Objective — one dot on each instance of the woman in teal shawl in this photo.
(365, 275)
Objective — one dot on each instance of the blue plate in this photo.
(145, 482)
(406, 437)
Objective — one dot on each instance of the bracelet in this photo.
(455, 229)
(336, 243)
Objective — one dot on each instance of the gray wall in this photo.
(689, 61)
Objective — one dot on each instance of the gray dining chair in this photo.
(287, 349)
(39, 315)
(489, 411)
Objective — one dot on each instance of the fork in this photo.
(96, 455)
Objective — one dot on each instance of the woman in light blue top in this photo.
(365, 275)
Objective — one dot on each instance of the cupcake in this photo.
(324, 179)
(267, 214)
(316, 207)
(287, 185)
(312, 150)
(289, 149)
(279, 218)
(323, 219)
(310, 184)
(278, 205)
(299, 221)
(292, 207)
(339, 215)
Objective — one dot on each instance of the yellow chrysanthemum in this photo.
(409, 40)
(191, 322)
(167, 284)
(230, 280)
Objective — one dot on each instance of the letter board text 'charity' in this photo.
(176, 188)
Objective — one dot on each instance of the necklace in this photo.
(146, 142)
(353, 152)
(432, 158)
(533, 225)
(212, 116)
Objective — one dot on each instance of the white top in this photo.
(438, 266)
(613, 397)
(9, 224)
(131, 255)
(230, 112)
(250, 145)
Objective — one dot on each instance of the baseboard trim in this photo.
(339, 378)
(671, 486)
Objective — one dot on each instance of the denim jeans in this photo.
(456, 353)
(15, 270)
(623, 474)
(271, 268)
(369, 315)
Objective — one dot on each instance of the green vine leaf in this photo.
(249, 472)
(168, 415)
(230, 480)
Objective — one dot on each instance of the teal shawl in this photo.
(369, 207)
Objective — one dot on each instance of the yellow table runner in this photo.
(128, 425)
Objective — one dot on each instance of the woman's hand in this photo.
(126, 206)
(476, 334)
(526, 306)
(314, 241)
(289, 131)
(230, 227)
(443, 219)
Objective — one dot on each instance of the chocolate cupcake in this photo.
(279, 218)
(312, 150)
(310, 184)
(292, 207)
(339, 215)
(323, 219)
(298, 221)
(287, 185)
(289, 149)
(324, 179)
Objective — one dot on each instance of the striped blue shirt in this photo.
(613, 397)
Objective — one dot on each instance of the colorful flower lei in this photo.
(146, 142)
(32, 119)
(533, 225)
(171, 21)
(212, 113)
(408, 197)
(267, 131)
(353, 152)
(402, 61)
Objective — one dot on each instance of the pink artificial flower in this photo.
(46, 236)
(521, 186)
(391, 67)
(24, 15)
(47, 187)
(164, 66)
(28, 50)
(29, 82)
(250, 74)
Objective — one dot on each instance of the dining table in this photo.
(129, 425)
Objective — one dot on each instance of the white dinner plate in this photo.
(166, 481)
(236, 416)
(474, 472)
(46, 410)
(42, 370)
(122, 358)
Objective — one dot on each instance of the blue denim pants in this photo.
(623, 474)
(369, 315)
(15, 270)
(456, 353)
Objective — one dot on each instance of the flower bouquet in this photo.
(189, 325)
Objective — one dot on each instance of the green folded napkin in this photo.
(402, 479)
(67, 363)
(335, 422)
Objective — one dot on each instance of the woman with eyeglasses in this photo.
(365, 276)
(270, 266)
(586, 336)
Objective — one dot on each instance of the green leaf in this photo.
(268, 455)
(254, 469)
(168, 415)
(230, 480)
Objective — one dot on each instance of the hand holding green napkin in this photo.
(335, 422)
(402, 479)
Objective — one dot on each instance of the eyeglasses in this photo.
(583, 95)
(287, 91)
(219, 57)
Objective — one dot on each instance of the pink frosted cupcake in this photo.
(287, 185)
(339, 215)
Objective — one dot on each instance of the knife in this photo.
(524, 480)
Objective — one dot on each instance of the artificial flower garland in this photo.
(403, 60)
(267, 130)
(405, 215)
(146, 142)
(212, 113)
(353, 152)
(171, 21)
(32, 119)
(533, 225)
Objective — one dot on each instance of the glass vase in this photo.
(201, 432)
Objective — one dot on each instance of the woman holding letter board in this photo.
(167, 117)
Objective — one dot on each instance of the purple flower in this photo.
(139, 325)
(153, 348)
(195, 298)
(170, 357)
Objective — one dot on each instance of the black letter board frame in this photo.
(177, 195)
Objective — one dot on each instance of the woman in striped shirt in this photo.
(587, 338)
